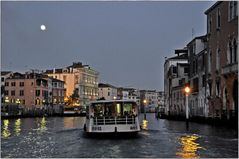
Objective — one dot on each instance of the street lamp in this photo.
(145, 102)
(187, 91)
(114, 97)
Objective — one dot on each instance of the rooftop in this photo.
(212, 7)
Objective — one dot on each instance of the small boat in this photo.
(112, 116)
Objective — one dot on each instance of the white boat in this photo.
(112, 116)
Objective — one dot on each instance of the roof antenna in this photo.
(192, 32)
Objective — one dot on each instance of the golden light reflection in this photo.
(5, 133)
(43, 125)
(145, 125)
(189, 147)
(18, 127)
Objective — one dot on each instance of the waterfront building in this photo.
(178, 76)
(134, 94)
(107, 91)
(197, 51)
(170, 68)
(151, 97)
(81, 82)
(29, 89)
(222, 70)
(161, 103)
(4, 75)
(57, 95)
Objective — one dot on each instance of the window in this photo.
(235, 8)
(235, 50)
(2, 79)
(203, 80)
(21, 93)
(12, 93)
(37, 92)
(6, 92)
(209, 24)
(7, 84)
(185, 69)
(13, 83)
(210, 89)
(218, 18)
(230, 53)
(218, 60)
(217, 88)
(108, 93)
(21, 84)
(230, 10)
(174, 69)
(209, 61)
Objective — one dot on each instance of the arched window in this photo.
(235, 50)
(218, 18)
(230, 52)
(218, 59)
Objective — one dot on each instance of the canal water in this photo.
(58, 137)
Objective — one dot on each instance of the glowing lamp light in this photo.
(187, 89)
(145, 101)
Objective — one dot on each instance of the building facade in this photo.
(4, 75)
(107, 91)
(197, 51)
(178, 76)
(29, 90)
(170, 68)
(222, 71)
(81, 82)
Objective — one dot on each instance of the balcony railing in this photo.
(230, 68)
(113, 120)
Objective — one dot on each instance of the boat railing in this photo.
(114, 120)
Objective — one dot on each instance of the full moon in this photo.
(43, 27)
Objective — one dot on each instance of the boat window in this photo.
(98, 110)
(127, 109)
(109, 110)
(118, 109)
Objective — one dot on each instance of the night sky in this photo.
(126, 42)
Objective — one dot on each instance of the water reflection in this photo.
(18, 127)
(43, 125)
(5, 133)
(145, 125)
(189, 147)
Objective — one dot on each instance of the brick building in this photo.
(222, 71)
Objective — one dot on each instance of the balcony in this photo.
(230, 68)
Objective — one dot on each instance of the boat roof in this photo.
(111, 101)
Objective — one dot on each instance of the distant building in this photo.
(170, 68)
(178, 76)
(222, 71)
(29, 90)
(197, 51)
(107, 91)
(81, 81)
(4, 75)
(58, 91)
(151, 97)
(161, 103)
